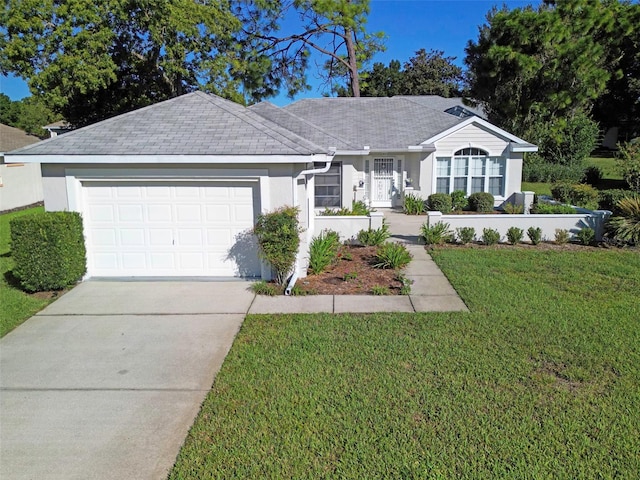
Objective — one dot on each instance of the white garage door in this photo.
(170, 229)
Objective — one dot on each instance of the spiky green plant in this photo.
(626, 227)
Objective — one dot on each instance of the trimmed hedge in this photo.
(481, 202)
(578, 194)
(48, 250)
(439, 202)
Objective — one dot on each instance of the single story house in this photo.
(20, 183)
(173, 189)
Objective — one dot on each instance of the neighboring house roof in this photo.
(12, 138)
(193, 124)
(379, 123)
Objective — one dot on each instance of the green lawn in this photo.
(608, 166)
(15, 305)
(540, 380)
(537, 187)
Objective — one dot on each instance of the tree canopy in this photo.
(426, 73)
(28, 114)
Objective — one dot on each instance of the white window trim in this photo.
(434, 170)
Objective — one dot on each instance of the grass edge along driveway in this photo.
(540, 380)
(16, 306)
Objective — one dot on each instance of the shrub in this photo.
(374, 236)
(413, 204)
(562, 236)
(358, 208)
(440, 202)
(592, 175)
(481, 202)
(48, 250)
(278, 235)
(379, 290)
(629, 163)
(549, 209)
(514, 235)
(392, 255)
(586, 236)
(490, 236)
(435, 234)
(265, 288)
(466, 234)
(535, 235)
(323, 251)
(513, 209)
(608, 199)
(579, 194)
(459, 200)
(536, 169)
(626, 226)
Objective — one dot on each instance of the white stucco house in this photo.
(20, 183)
(172, 189)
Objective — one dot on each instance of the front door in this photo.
(383, 182)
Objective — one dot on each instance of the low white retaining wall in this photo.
(548, 223)
(346, 225)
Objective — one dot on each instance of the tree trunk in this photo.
(353, 64)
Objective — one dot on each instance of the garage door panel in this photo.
(130, 213)
(159, 213)
(163, 229)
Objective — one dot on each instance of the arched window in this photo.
(470, 170)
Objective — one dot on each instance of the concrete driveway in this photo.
(105, 382)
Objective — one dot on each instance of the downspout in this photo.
(296, 203)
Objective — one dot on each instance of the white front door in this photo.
(383, 182)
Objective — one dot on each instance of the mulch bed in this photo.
(352, 274)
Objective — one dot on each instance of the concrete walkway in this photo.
(430, 292)
(106, 381)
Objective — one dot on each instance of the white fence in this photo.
(548, 223)
(347, 226)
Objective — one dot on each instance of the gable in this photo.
(472, 135)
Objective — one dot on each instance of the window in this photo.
(470, 170)
(327, 187)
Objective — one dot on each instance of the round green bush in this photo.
(481, 202)
(439, 202)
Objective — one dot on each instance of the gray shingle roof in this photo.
(192, 124)
(380, 123)
(441, 103)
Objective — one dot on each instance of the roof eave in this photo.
(164, 159)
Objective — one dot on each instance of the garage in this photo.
(170, 229)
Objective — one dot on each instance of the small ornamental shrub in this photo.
(513, 209)
(514, 235)
(535, 235)
(392, 255)
(413, 204)
(323, 251)
(549, 209)
(608, 199)
(586, 236)
(466, 234)
(629, 163)
(374, 236)
(439, 202)
(265, 288)
(48, 250)
(581, 195)
(592, 175)
(358, 208)
(562, 236)
(278, 235)
(490, 236)
(459, 200)
(481, 202)
(626, 226)
(435, 234)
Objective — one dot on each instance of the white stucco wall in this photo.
(20, 185)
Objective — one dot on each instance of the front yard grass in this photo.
(540, 380)
(16, 306)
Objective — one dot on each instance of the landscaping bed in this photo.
(353, 274)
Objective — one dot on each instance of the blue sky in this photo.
(409, 25)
